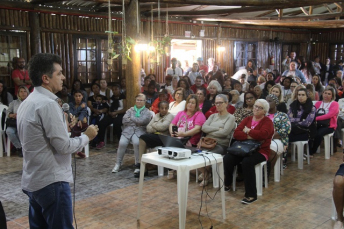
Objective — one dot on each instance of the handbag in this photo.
(11, 122)
(296, 129)
(322, 123)
(207, 143)
(244, 148)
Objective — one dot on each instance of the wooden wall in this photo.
(57, 37)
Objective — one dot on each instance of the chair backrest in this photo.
(232, 133)
(341, 103)
(3, 109)
(89, 115)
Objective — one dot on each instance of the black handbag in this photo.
(322, 123)
(244, 148)
(296, 129)
(11, 122)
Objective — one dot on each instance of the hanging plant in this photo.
(159, 48)
(124, 50)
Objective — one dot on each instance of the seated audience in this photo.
(294, 73)
(286, 90)
(228, 84)
(327, 109)
(11, 113)
(247, 109)
(5, 97)
(316, 81)
(293, 96)
(158, 125)
(204, 104)
(259, 92)
(252, 85)
(77, 86)
(214, 89)
(293, 85)
(267, 87)
(179, 101)
(198, 84)
(64, 95)
(282, 127)
(277, 90)
(104, 90)
(101, 106)
(312, 93)
(244, 83)
(193, 74)
(218, 126)
(230, 108)
(184, 84)
(163, 96)
(20, 75)
(189, 122)
(153, 78)
(146, 82)
(174, 85)
(257, 127)
(134, 122)
(236, 101)
(151, 94)
(114, 116)
(168, 81)
(95, 88)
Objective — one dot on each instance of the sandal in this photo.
(200, 177)
(206, 181)
(248, 200)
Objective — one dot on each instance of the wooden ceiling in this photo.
(311, 14)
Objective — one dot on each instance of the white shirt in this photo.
(174, 72)
(175, 109)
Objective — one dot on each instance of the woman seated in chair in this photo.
(179, 101)
(219, 126)
(327, 111)
(158, 125)
(247, 109)
(257, 127)
(189, 123)
(11, 113)
(282, 126)
(230, 108)
(134, 122)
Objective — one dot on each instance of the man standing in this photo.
(288, 60)
(20, 76)
(47, 147)
(194, 73)
(174, 70)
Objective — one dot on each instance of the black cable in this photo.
(200, 209)
(76, 225)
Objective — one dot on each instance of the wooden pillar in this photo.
(133, 69)
(35, 33)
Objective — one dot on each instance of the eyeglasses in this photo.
(258, 107)
(250, 98)
(219, 103)
(179, 94)
(140, 100)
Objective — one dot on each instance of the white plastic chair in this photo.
(3, 134)
(300, 145)
(259, 177)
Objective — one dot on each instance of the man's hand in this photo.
(91, 132)
(73, 121)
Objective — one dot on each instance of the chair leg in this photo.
(327, 146)
(8, 148)
(259, 180)
(234, 177)
(196, 175)
(277, 169)
(265, 167)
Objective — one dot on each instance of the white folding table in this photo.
(183, 167)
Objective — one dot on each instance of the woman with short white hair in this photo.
(257, 127)
(214, 89)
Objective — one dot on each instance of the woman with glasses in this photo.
(218, 126)
(230, 108)
(134, 123)
(247, 109)
(257, 127)
(179, 103)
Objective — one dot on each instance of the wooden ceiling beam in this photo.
(44, 1)
(266, 13)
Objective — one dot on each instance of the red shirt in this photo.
(20, 75)
(213, 110)
(203, 67)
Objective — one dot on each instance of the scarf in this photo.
(138, 111)
(307, 108)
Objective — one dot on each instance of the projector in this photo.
(174, 152)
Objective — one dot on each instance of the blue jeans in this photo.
(51, 207)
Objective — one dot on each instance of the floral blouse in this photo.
(241, 113)
(305, 122)
(282, 126)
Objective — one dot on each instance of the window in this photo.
(11, 45)
(336, 52)
(243, 52)
(91, 61)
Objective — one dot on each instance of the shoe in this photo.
(227, 188)
(338, 225)
(81, 154)
(248, 200)
(206, 181)
(137, 171)
(116, 168)
(200, 177)
(170, 174)
(19, 152)
(100, 145)
(137, 175)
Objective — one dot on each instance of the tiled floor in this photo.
(105, 200)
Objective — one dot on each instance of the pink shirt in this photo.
(182, 121)
(254, 124)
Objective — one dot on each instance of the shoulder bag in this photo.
(322, 123)
(244, 148)
(207, 143)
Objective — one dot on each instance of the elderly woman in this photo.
(257, 127)
(134, 122)
(218, 126)
(327, 109)
(247, 109)
(259, 92)
(214, 88)
(158, 125)
(282, 127)
(230, 108)
(294, 72)
(236, 102)
(11, 112)
(277, 90)
(179, 103)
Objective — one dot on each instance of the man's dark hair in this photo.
(78, 91)
(42, 64)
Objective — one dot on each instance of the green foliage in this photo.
(159, 46)
(124, 49)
